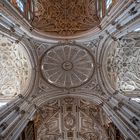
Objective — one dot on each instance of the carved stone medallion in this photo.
(69, 121)
(67, 66)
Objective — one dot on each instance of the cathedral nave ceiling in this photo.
(68, 67)
(122, 63)
(70, 73)
(70, 118)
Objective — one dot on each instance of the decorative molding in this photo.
(123, 63)
(69, 118)
(67, 65)
(15, 68)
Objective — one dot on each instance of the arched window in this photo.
(20, 5)
(103, 7)
(29, 9)
(100, 8)
(108, 3)
(25, 7)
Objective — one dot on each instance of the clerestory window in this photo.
(20, 5)
(108, 3)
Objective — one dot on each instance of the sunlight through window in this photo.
(108, 3)
(20, 5)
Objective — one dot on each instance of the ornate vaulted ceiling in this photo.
(68, 97)
(65, 17)
(123, 63)
(70, 118)
(67, 65)
(15, 69)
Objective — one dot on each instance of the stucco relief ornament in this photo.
(124, 63)
(67, 66)
(69, 121)
(65, 17)
(14, 69)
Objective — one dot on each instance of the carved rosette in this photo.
(67, 66)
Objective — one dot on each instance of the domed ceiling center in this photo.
(67, 66)
(65, 17)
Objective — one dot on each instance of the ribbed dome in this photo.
(67, 66)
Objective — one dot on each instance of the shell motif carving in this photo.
(65, 17)
(67, 66)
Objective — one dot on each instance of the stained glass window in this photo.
(108, 3)
(20, 5)
(99, 8)
(101, 13)
(26, 7)
(32, 6)
(29, 15)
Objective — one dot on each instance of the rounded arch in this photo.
(16, 63)
(105, 83)
(120, 64)
(65, 115)
(94, 97)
